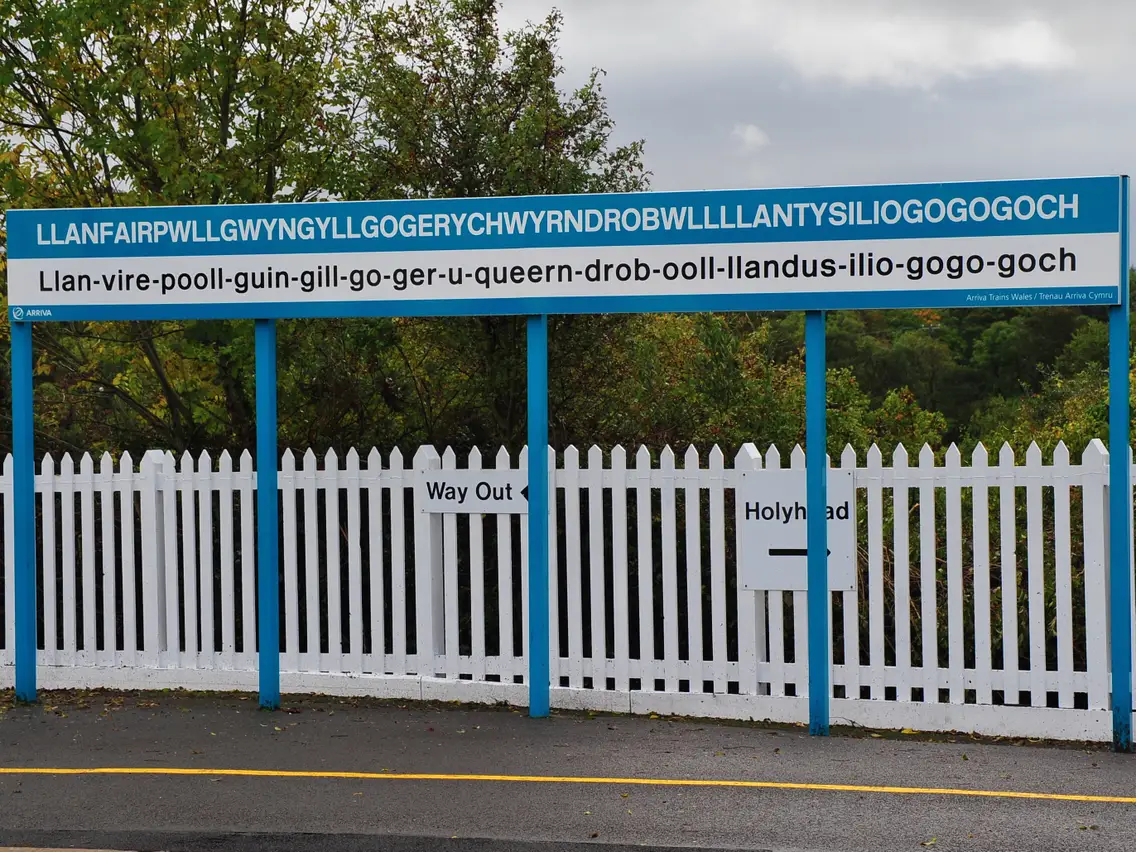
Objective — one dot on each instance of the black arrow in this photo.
(525, 492)
(791, 551)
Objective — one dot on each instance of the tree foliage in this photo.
(148, 102)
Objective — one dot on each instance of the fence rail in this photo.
(981, 601)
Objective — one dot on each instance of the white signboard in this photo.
(475, 492)
(980, 244)
(774, 540)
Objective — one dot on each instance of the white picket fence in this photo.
(148, 579)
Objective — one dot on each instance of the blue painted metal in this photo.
(540, 629)
(816, 472)
(1120, 500)
(267, 516)
(703, 217)
(528, 306)
(23, 502)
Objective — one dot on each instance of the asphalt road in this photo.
(389, 812)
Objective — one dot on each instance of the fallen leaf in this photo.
(653, 716)
(931, 842)
(877, 736)
(587, 813)
(909, 731)
(277, 727)
(719, 754)
(595, 834)
(964, 757)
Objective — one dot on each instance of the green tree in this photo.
(110, 102)
(453, 107)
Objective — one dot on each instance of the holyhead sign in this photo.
(1026, 243)
(926, 245)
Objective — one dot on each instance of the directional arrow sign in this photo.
(772, 518)
(474, 492)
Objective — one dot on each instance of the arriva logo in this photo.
(19, 314)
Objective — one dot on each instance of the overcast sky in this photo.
(790, 92)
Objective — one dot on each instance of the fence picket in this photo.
(554, 664)
(645, 569)
(396, 474)
(354, 565)
(169, 483)
(450, 581)
(1007, 499)
(153, 560)
(290, 660)
(692, 504)
(48, 551)
(313, 614)
(69, 564)
(761, 640)
(928, 586)
(1035, 568)
(1062, 545)
(597, 569)
(506, 640)
(228, 569)
(109, 562)
(86, 655)
(186, 478)
(901, 547)
(477, 583)
(875, 572)
(129, 567)
(980, 509)
(374, 477)
(670, 569)
(329, 481)
(853, 663)
(9, 568)
(247, 486)
(1094, 502)
(573, 569)
(620, 568)
(204, 491)
(717, 489)
(955, 638)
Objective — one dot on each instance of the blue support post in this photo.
(816, 472)
(539, 621)
(1120, 500)
(23, 503)
(267, 516)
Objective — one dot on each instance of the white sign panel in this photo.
(982, 244)
(475, 492)
(774, 540)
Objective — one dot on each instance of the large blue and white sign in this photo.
(983, 244)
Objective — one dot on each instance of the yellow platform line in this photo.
(573, 779)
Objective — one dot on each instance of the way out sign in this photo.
(475, 492)
(774, 542)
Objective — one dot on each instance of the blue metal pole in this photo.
(267, 515)
(23, 504)
(1120, 499)
(816, 471)
(539, 621)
